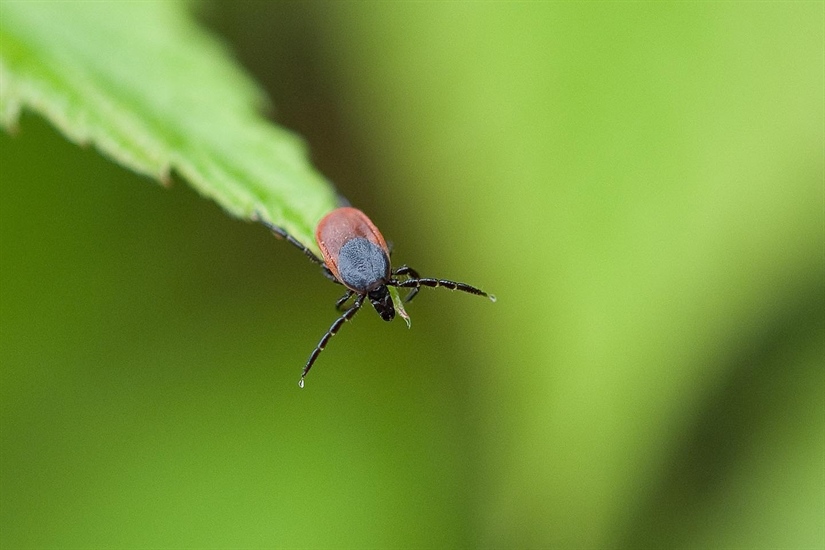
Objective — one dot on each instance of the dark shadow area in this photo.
(764, 378)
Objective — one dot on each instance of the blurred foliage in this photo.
(643, 187)
(143, 84)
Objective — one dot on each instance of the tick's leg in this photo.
(333, 330)
(452, 285)
(409, 272)
(339, 305)
(281, 233)
(328, 274)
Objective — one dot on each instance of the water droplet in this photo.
(301, 382)
(492, 297)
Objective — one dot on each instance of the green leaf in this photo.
(398, 303)
(143, 84)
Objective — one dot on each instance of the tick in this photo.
(356, 256)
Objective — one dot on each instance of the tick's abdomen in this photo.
(366, 258)
(362, 265)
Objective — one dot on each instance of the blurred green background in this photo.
(642, 185)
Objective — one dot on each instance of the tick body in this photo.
(356, 256)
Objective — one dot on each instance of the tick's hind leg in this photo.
(281, 233)
(328, 274)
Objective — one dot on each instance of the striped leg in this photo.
(282, 234)
(452, 285)
(328, 274)
(333, 330)
(413, 274)
(339, 305)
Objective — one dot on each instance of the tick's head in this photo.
(382, 302)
